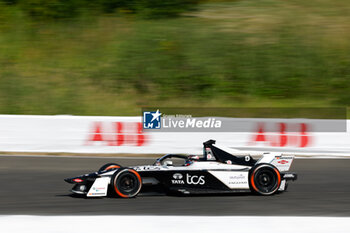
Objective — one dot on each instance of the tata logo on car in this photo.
(177, 179)
(196, 180)
(177, 176)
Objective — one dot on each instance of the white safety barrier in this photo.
(90, 134)
(173, 224)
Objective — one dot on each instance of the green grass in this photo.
(249, 53)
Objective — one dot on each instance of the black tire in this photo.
(265, 179)
(109, 166)
(126, 183)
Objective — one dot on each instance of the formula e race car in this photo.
(216, 171)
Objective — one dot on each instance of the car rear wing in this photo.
(282, 162)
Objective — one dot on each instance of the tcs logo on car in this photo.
(195, 179)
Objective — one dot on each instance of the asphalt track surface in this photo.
(34, 185)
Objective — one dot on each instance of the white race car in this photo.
(216, 171)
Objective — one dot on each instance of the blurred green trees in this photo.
(104, 61)
(54, 9)
(50, 9)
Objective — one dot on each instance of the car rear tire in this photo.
(126, 183)
(109, 166)
(265, 179)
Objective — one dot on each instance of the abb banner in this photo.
(88, 134)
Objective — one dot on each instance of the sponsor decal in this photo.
(237, 182)
(240, 176)
(177, 176)
(98, 189)
(196, 180)
(177, 179)
(146, 168)
(284, 157)
(282, 161)
(238, 179)
(177, 182)
(94, 194)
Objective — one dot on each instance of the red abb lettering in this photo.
(281, 138)
(97, 136)
(118, 134)
(141, 138)
(304, 137)
(260, 136)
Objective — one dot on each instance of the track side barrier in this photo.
(90, 134)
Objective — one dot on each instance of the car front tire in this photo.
(126, 183)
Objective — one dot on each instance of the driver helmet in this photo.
(193, 157)
(157, 163)
(188, 163)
